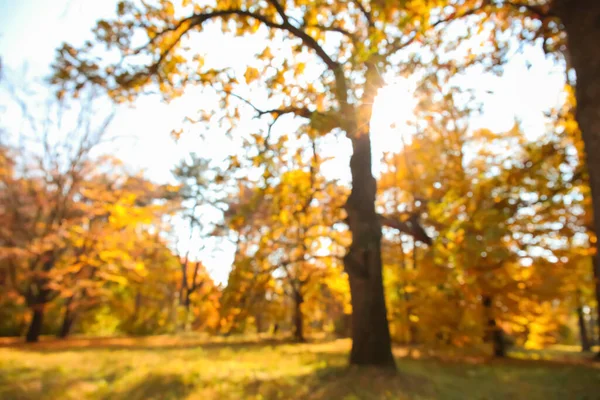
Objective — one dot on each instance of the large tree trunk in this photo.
(581, 19)
(35, 326)
(493, 332)
(371, 344)
(298, 317)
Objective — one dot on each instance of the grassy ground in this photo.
(187, 368)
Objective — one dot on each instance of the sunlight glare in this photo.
(393, 109)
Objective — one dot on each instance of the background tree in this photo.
(297, 223)
(198, 192)
(563, 28)
(40, 204)
(504, 223)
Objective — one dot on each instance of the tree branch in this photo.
(539, 11)
(280, 10)
(337, 29)
(298, 111)
(307, 40)
(398, 44)
(365, 12)
(411, 228)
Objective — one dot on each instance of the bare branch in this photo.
(277, 112)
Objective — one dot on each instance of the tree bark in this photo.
(493, 332)
(581, 20)
(36, 324)
(298, 317)
(371, 343)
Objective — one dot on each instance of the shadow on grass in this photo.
(53, 384)
(155, 387)
(16, 386)
(27, 383)
(342, 383)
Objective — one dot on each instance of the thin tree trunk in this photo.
(36, 324)
(406, 297)
(187, 323)
(412, 327)
(596, 326)
(594, 332)
(258, 322)
(581, 19)
(583, 333)
(137, 305)
(493, 331)
(298, 317)
(68, 320)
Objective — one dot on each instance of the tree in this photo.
(40, 203)
(296, 229)
(340, 51)
(103, 254)
(579, 19)
(566, 29)
(509, 218)
(197, 193)
(70, 218)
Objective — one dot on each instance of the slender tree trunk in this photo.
(412, 327)
(581, 19)
(35, 326)
(259, 322)
(493, 331)
(298, 317)
(594, 333)
(68, 320)
(596, 326)
(583, 334)
(371, 343)
(404, 295)
(137, 305)
(187, 324)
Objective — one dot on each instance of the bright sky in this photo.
(30, 30)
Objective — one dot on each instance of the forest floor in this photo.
(191, 368)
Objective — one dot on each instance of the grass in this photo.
(190, 368)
